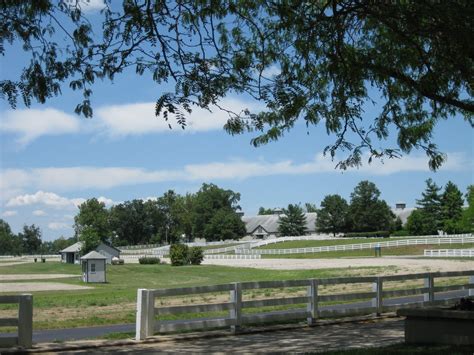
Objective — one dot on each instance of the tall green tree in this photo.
(451, 207)
(93, 215)
(265, 211)
(10, 244)
(367, 212)
(292, 222)
(415, 223)
(310, 207)
(90, 239)
(467, 218)
(333, 214)
(430, 208)
(225, 224)
(313, 61)
(30, 237)
(208, 202)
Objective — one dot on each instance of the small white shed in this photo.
(93, 267)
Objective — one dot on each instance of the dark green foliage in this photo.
(467, 218)
(416, 55)
(378, 234)
(429, 219)
(292, 222)
(332, 217)
(196, 255)
(90, 240)
(93, 215)
(265, 211)
(415, 223)
(224, 225)
(179, 254)
(400, 233)
(367, 213)
(31, 239)
(310, 207)
(451, 208)
(10, 244)
(149, 260)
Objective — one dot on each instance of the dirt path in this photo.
(18, 277)
(401, 264)
(38, 286)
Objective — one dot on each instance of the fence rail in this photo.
(310, 310)
(359, 246)
(469, 253)
(230, 256)
(24, 322)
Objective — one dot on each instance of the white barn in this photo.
(264, 226)
(71, 254)
(94, 267)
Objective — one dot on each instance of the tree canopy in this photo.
(292, 222)
(321, 62)
(333, 215)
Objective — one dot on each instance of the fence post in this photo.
(471, 281)
(25, 321)
(142, 313)
(377, 301)
(429, 283)
(313, 301)
(236, 310)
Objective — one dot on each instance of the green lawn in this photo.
(114, 302)
(323, 243)
(386, 251)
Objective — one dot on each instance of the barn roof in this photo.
(75, 248)
(270, 222)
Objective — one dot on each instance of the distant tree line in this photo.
(210, 213)
(367, 212)
(28, 241)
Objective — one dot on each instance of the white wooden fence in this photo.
(232, 256)
(147, 324)
(359, 246)
(440, 253)
(24, 322)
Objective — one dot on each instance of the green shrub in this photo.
(378, 234)
(149, 260)
(179, 254)
(195, 255)
(400, 233)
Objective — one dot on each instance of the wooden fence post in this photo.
(150, 297)
(142, 313)
(313, 301)
(236, 310)
(377, 301)
(429, 283)
(471, 281)
(25, 321)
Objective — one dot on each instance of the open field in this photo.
(115, 301)
(388, 251)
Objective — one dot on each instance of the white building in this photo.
(264, 226)
(94, 267)
(72, 253)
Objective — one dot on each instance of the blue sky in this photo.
(51, 159)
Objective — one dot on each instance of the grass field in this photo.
(324, 243)
(115, 301)
(386, 251)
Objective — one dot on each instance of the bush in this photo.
(400, 233)
(179, 254)
(378, 234)
(195, 255)
(149, 260)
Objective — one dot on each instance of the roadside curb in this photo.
(96, 344)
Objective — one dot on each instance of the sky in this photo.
(52, 160)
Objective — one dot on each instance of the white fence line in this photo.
(232, 256)
(469, 253)
(24, 322)
(311, 310)
(346, 247)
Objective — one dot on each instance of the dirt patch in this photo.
(18, 277)
(401, 265)
(38, 286)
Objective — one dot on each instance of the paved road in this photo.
(351, 335)
(41, 336)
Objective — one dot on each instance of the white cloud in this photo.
(30, 124)
(58, 225)
(139, 118)
(39, 213)
(77, 178)
(9, 213)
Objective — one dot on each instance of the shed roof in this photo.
(75, 248)
(93, 255)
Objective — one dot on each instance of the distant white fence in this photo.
(440, 253)
(232, 256)
(147, 324)
(39, 256)
(347, 247)
(24, 321)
